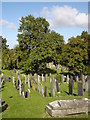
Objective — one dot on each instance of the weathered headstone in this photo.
(62, 78)
(67, 78)
(80, 88)
(28, 94)
(46, 78)
(17, 86)
(71, 86)
(57, 86)
(77, 78)
(14, 70)
(45, 91)
(52, 89)
(24, 88)
(28, 81)
(39, 88)
(25, 79)
(13, 79)
(30, 84)
(42, 78)
(50, 77)
(42, 92)
(87, 86)
(38, 79)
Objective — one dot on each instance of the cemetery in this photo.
(43, 76)
(47, 91)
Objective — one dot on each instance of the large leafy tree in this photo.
(75, 54)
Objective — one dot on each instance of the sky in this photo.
(66, 18)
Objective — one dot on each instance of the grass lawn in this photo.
(33, 107)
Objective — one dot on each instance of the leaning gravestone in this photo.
(80, 88)
(71, 86)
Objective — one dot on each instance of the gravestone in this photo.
(42, 78)
(57, 86)
(62, 78)
(13, 79)
(80, 88)
(28, 94)
(46, 78)
(25, 79)
(39, 88)
(14, 70)
(24, 88)
(38, 79)
(87, 86)
(77, 78)
(23, 94)
(20, 89)
(17, 86)
(67, 78)
(28, 81)
(52, 89)
(42, 92)
(50, 77)
(83, 79)
(18, 72)
(45, 91)
(71, 86)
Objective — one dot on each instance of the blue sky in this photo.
(68, 19)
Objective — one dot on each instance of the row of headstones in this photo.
(40, 86)
(80, 86)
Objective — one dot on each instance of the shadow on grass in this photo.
(3, 107)
(68, 93)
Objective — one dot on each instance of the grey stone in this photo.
(61, 108)
(80, 88)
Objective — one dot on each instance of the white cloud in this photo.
(65, 16)
(8, 24)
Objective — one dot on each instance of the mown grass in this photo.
(33, 107)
